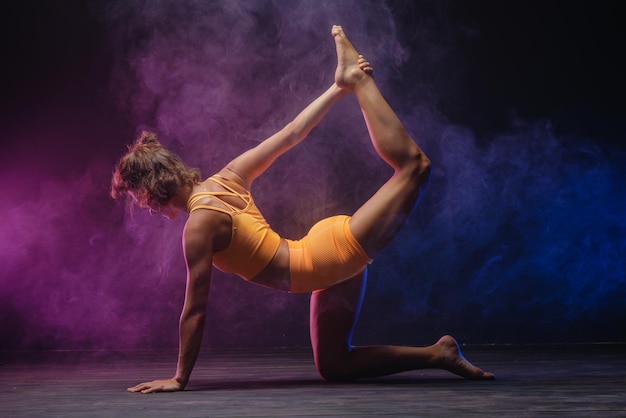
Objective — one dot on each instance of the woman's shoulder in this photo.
(207, 228)
(230, 175)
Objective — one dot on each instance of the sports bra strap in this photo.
(196, 197)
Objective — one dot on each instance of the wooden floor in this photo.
(572, 381)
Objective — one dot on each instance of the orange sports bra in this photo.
(253, 243)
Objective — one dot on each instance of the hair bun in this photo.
(146, 140)
(147, 137)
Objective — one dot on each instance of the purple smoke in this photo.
(519, 237)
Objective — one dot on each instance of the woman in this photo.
(226, 229)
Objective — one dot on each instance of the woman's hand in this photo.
(365, 65)
(168, 385)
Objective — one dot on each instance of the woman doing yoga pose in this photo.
(225, 229)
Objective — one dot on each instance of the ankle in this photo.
(362, 81)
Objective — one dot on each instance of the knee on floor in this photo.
(333, 369)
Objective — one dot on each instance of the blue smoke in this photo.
(522, 239)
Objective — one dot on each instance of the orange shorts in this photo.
(327, 255)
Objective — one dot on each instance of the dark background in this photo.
(520, 238)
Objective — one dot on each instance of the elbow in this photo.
(291, 133)
(192, 321)
(197, 314)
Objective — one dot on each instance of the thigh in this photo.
(378, 220)
(334, 312)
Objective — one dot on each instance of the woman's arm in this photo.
(255, 161)
(198, 248)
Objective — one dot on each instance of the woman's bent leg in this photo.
(376, 223)
(334, 312)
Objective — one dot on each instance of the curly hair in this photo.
(150, 173)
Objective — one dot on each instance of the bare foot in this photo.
(452, 360)
(351, 67)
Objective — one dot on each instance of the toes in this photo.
(488, 376)
(336, 30)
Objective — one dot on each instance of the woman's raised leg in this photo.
(334, 313)
(376, 223)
